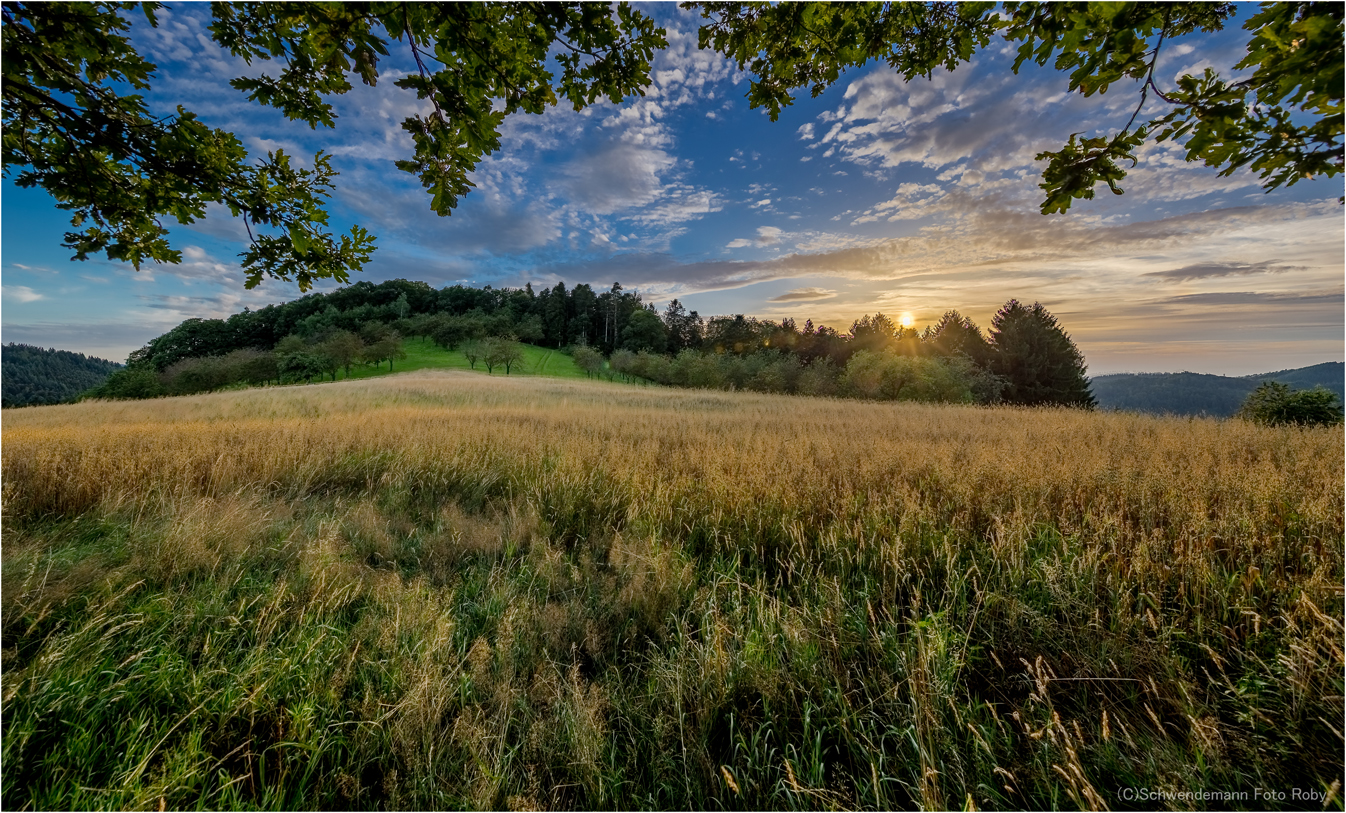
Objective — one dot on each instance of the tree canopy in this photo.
(1284, 121)
(76, 125)
(71, 128)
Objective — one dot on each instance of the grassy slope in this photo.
(446, 590)
(422, 354)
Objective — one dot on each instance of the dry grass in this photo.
(459, 590)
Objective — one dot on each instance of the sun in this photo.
(907, 320)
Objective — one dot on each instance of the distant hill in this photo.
(1329, 374)
(1201, 394)
(33, 375)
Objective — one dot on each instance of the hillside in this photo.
(1202, 394)
(33, 375)
(441, 590)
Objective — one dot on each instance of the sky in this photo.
(907, 198)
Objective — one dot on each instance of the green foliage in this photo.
(34, 375)
(1285, 121)
(103, 156)
(889, 376)
(587, 359)
(129, 382)
(71, 130)
(502, 351)
(1036, 358)
(1275, 404)
(644, 331)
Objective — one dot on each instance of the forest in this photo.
(1025, 357)
(36, 375)
(1218, 396)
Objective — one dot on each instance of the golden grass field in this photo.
(440, 590)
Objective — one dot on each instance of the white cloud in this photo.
(20, 293)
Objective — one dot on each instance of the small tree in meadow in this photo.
(587, 359)
(1275, 404)
(502, 351)
(473, 352)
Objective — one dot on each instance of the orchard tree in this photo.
(1038, 362)
(345, 348)
(588, 359)
(502, 351)
(473, 350)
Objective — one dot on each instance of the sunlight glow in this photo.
(907, 320)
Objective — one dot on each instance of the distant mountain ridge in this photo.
(1204, 394)
(34, 375)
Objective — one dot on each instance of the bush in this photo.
(1275, 404)
(132, 382)
(892, 377)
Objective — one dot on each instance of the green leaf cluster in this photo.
(69, 128)
(1284, 121)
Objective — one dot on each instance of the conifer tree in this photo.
(1037, 359)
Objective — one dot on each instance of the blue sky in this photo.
(879, 195)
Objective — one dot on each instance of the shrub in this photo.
(1275, 404)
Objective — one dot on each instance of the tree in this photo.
(684, 329)
(644, 331)
(502, 351)
(345, 348)
(1284, 120)
(473, 351)
(1036, 358)
(72, 128)
(587, 359)
(1275, 404)
(301, 365)
(874, 332)
(955, 334)
(387, 348)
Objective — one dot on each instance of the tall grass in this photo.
(445, 590)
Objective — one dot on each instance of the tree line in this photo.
(36, 375)
(1025, 357)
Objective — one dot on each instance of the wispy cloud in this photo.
(20, 293)
(1209, 270)
(804, 294)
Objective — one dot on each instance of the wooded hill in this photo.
(33, 375)
(1201, 394)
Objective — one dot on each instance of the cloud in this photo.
(1208, 270)
(20, 293)
(981, 247)
(1224, 298)
(682, 204)
(766, 236)
(619, 177)
(109, 340)
(804, 294)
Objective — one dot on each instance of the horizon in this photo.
(877, 196)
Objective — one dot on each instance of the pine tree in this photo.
(1037, 359)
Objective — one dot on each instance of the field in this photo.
(444, 590)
